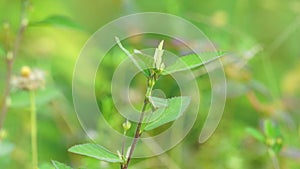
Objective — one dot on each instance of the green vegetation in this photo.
(39, 45)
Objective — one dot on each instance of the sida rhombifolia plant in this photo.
(164, 110)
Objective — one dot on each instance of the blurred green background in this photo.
(263, 35)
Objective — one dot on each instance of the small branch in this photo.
(137, 133)
(6, 92)
(151, 82)
(123, 147)
(10, 59)
(274, 159)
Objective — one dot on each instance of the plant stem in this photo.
(137, 133)
(274, 159)
(10, 62)
(33, 131)
(151, 82)
(123, 146)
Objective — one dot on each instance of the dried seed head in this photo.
(29, 79)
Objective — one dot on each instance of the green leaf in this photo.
(140, 60)
(191, 61)
(256, 134)
(158, 102)
(59, 165)
(58, 21)
(95, 151)
(271, 130)
(175, 108)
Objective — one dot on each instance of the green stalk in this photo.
(138, 131)
(274, 159)
(137, 134)
(34, 152)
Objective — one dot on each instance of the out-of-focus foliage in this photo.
(262, 40)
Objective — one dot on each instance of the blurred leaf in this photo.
(270, 129)
(6, 148)
(58, 21)
(59, 165)
(21, 98)
(256, 134)
(176, 106)
(191, 61)
(95, 151)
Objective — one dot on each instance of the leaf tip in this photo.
(161, 44)
(117, 39)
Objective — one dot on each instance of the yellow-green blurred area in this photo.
(263, 34)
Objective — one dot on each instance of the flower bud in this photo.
(158, 56)
(25, 71)
(151, 82)
(9, 55)
(279, 141)
(126, 125)
(8, 102)
(24, 22)
(3, 134)
(270, 142)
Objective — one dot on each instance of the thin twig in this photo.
(123, 147)
(137, 133)
(10, 62)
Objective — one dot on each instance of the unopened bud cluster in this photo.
(158, 62)
(29, 79)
